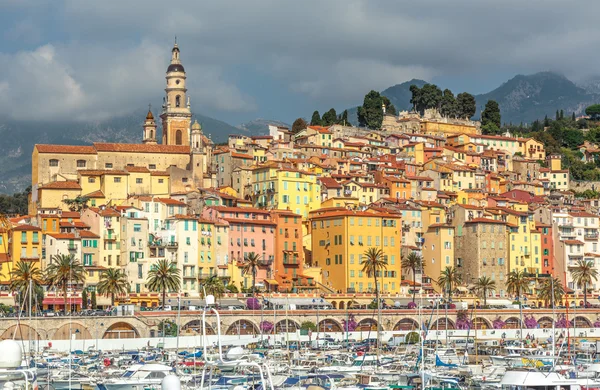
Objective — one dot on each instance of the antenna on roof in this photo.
(175, 39)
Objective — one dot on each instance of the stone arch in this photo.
(342, 305)
(481, 323)
(442, 324)
(75, 329)
(195, 327)
(20, 332)
(330, 325)
(406, 324)
(178, 137)
(366, 324)
(242, 327)
(582, 322)
(286, 327)
(121, 330)
(545, 322)
(334, 304)
(512, 323)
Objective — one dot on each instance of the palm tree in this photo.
(548, 287)
(374, 263)
(22, 275)
(583, 274)
(517, 283)
(113, 282)
(164, 276)
(62, 271)
(413, 262)
(213, 285)
(484, 285)
(251, 263)
(448, 280)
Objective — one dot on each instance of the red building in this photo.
(547, 247)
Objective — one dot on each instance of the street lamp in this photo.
(317, 302)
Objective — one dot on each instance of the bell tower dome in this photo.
(176, 113)
(149, 128)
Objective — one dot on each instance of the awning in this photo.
(272, 282)
(61, 301)
(462, 289)
(410, 283)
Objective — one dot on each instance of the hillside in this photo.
(259, 126)
(18, 139)
(524, 98)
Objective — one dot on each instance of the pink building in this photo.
(250, 230)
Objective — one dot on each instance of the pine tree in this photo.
(94, 305)
(370, 113)
(329, 118)
(573, 117)
(316, 119)
(344, 118)
(490, 118)
(298, 125)
(84, 299)
(557, 117)
(546, 121)
(562, 114)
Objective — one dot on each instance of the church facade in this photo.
(180, 162)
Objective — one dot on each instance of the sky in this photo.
(85, 60)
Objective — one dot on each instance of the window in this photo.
(81, 163)
(117, 179)
(91, 179)
(53, 162)
(178, 134)
(137, 227)
(160, 181)
(139, 180)
(152, 166)
(108, 165)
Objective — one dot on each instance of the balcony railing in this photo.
(111, 237)
(172, 245)
(73, 248)
(265, 262)
(591, 236)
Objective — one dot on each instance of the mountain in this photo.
(260, 126)
(531, 97)
(524, 98)
(19, 137)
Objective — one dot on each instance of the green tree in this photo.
(466, 105)
(251, 264)
(517, 283)
(298, 125)
(413, 262)
(164, 276)
(62, 271)
(490, 117)
(390, 109)
(344, 118)
(316, 119)
(93, 299)
(168, 327)
(573, 117)
(232, 288)
(448, 280)
(308, 325)
(562, 114)
(23, 273)
(483, 286)
(77, 204)
(329, 118)
(448, 106)
(113, 282)
(370, 114)
(415, 99)
(84, 299)
(548, 287)
(213, 285)
(593, 111)
(373, 265)
(583, 275)
(557, 116)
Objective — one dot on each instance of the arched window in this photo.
(53, 162)
(197, 144)
(177, 101)
(178, 138)
(151, 134)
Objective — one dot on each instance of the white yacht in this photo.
(136, 377)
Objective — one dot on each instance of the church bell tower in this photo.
(176, 115)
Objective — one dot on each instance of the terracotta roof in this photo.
(62, 185)
(584, 215)
(250, 221)
(573, 242)
(159, 173)
(64, 236)
(241, 155)
(329, 182)
(240, 209)
(100, 172)
(170, 201)
(65, 149)
(137, 169)
(21, 228)
(88, 234)
(95, 194)
(70, 214)
(141, 148)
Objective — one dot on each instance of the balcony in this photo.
(73, 248)
(591, 236)
(265, 262)
(172, 245)
(111, 236)
(190, 276)
(205, 275)
(292, 262)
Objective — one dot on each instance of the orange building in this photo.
(289, 253)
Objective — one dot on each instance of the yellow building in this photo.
(555, 178)
(285, 188)
(437, 240)
(416, 151)
(25, 245)
(341, 237)
(52, 195)
(532, 149)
